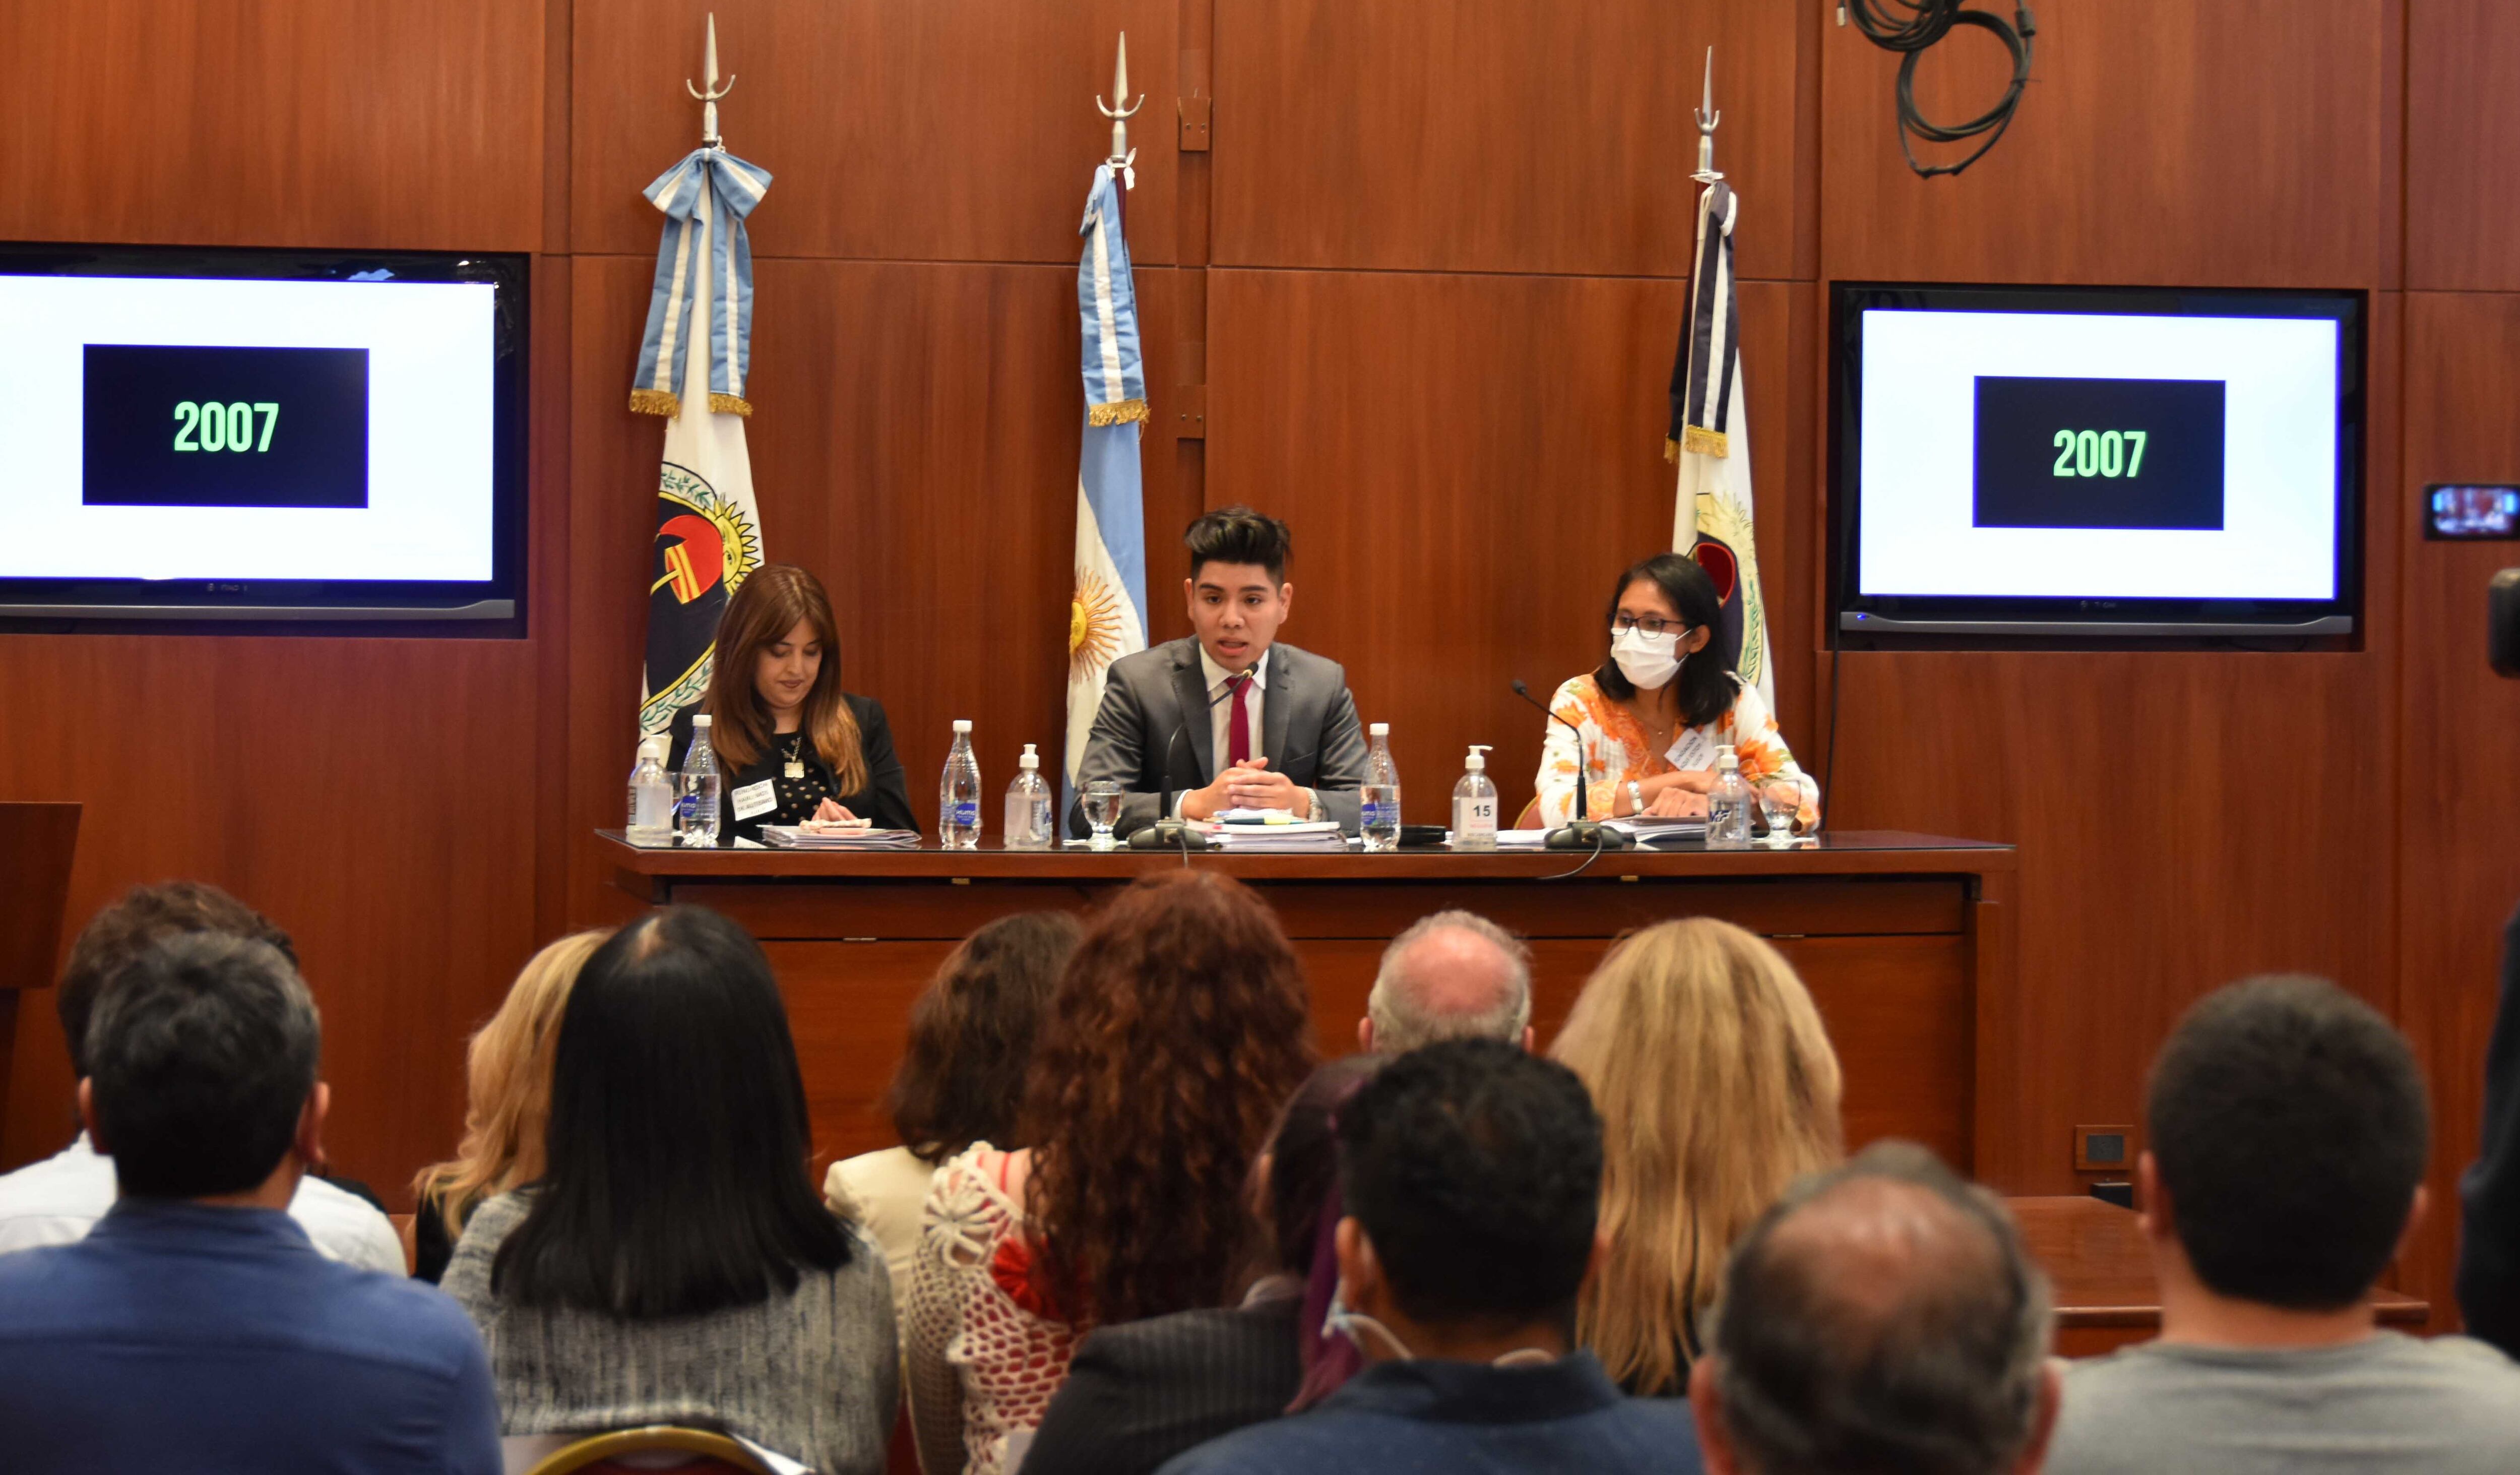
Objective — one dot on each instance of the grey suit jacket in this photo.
(1153, 733)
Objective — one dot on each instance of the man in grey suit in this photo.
(1230, 718)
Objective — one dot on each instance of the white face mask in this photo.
(1649, 661)
(1344, 1323)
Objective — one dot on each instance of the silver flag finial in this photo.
(1120, 109)
(709, 138)
(1707, 119)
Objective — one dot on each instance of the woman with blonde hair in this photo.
(507, 1075)
(1717, 1087)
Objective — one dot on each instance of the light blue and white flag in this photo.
(706, 198)
(709, 529)
(1108, 619)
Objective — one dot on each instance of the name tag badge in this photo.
(1693, 751)
(754, 799)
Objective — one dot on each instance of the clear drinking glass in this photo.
(1103, 810)
(1781, 798)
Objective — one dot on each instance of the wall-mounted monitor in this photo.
(230, 434)
(2094, 463)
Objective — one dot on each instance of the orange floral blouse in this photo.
(1614, 750)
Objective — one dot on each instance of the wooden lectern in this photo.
(36, 844)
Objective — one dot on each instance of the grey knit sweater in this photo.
(811, 1374)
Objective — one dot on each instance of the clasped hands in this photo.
(1249, 785)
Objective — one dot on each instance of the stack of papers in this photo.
(1269, 830)
(1522, 839)
(1647, 830)
(842, 836)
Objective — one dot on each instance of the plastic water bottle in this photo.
(652, 796)
(1729, 804)
(957, 794)
(1028, 805)
(1474, 805)
(1378, 801)
(695, 789)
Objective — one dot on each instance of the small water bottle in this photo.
(1729, 804)
(652, 796)
(696, 790)
(1474, 803)
(1028, 805)
(1378, 802)
(957, 794)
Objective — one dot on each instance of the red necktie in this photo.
(1237, 725)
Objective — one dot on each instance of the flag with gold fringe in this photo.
(709, 529)
(1710, 440)
(1107, 616)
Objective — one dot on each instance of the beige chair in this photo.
(711, 1454)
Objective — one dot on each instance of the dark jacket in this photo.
(886, 798)
(1466, 1418)
(1139, 1393)
(2489, 1240)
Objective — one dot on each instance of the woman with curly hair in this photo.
(1178, 1030)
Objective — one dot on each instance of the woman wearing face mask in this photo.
(1651, 715)
(791, 745)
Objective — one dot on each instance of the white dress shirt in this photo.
(1220, 719)
(57, 1201)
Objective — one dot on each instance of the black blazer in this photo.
(2489, 1240)
(1139, 1393)
(886, 798)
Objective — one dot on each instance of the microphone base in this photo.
(1588, 835)
(1169, 835)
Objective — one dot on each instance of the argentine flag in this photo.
(1107, 616)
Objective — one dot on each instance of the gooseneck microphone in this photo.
(1581, 832)
(1169, 833)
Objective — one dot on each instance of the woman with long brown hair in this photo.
(1177, 1031)
(791, 745)
(1717, 1087)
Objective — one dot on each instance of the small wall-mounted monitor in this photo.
(2460, 513)
(2094, 463)
(199, 434)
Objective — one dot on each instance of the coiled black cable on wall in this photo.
(1911, 27)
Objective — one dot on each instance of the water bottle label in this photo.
(967, 814)
(1369, 814)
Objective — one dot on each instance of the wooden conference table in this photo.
(1906, 941)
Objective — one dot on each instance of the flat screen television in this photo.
(248, 434)
(2094, 463)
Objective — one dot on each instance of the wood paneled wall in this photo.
(1426, 284)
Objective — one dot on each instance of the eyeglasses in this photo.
(1654, 627)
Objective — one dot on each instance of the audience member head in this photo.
(1177, 1032)
(201, 1066)
(1472, 1174)
(1455, 974)
(675, 1174)
(1297, 1176)
(1717, 1087)
(129, 927)
(962, 1079)
(2280, 1102)
(779, 655)
(507, 1086)
(1882, 1316)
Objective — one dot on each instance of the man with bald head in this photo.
(1453, 976)
(1881, 1317)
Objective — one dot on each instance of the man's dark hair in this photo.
(2282, 1102)
(127, 928)
(1240, 535)
(675, 1177)
(200, 1055)
(1476, 1170)
(1883, 1316)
